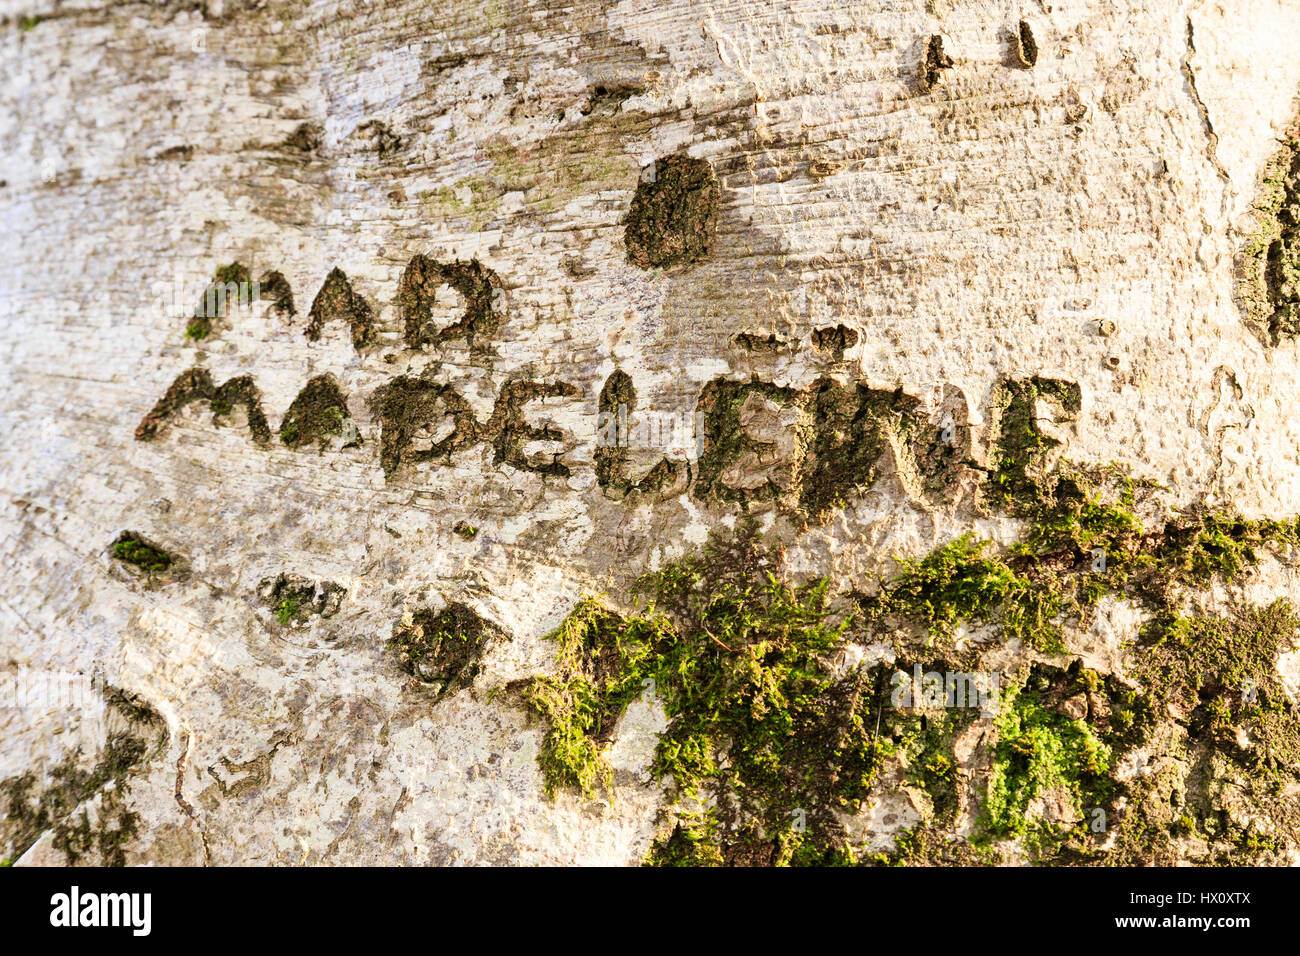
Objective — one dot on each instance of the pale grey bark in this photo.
(1079, 220)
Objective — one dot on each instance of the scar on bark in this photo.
(409, 411)
(131, 548)
(383, 140)
(933, 61)
(836, 339)
(445, 648)
(197, 385)
(758, 342)
(478, 285)
(844, 437)
(615, 406)
(229, 284)
(294, 599)
(336, 301)
(1024, 49)
(275, 287)
(319, 411)
(607, 99)
(510, 431)
(306, 138)
(673, 218)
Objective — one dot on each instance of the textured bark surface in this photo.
(1070, 203)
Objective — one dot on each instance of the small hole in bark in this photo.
(1024, 49)
(933, 61)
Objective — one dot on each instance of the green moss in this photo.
(1148, 832)
(318, 413)
(759, 726)
(759, 729)
(929, 844)
(198, 328)
(602, 660)
(1039, 749)
(288, 610)
(133, 707)
(132, 549)
(922, 743)
(1219, 675)
(961, 582)
(1206, 545)
(1081, 540)
(762, 730)
(294, 599)
(692, 842)
(1216, 676)
(465, 530)
(443, 648)
(28, 23)
(1081, 516)
(332, 419)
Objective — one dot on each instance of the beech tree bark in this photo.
(328, 325)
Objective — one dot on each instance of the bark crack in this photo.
(1212, 147)
(186, 807)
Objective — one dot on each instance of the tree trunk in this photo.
(349, 347)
